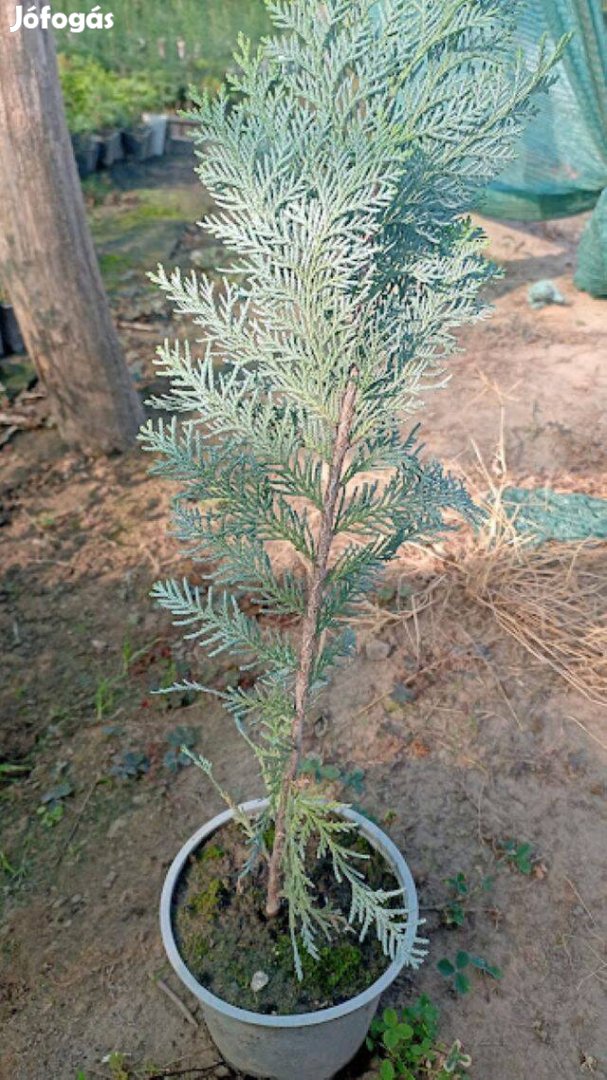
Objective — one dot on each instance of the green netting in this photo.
(550, 516)
(562, 165)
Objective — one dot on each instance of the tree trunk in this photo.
(308, 651)
(48, 264)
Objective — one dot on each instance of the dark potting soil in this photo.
(225, 937)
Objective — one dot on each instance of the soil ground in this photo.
(488, 746)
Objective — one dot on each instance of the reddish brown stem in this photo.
(309, 638)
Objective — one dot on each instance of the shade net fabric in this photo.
(548, 515)
(561, 167)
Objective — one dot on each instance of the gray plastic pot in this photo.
(307, 1046)
(158, 123)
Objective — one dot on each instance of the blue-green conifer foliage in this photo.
(342, 158)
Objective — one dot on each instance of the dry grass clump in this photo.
(550, 597)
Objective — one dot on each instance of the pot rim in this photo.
(377, 838)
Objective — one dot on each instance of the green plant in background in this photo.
(405, 1045)
(340, 162)
(456, 972)
(177, 45)
(97, 99)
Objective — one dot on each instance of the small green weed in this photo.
(16, 873)
(104, 697)
(455, 914)
(315, 768)
(461, 893)
(128, 653)
(130, 765)
(180, 739)
(407, 1044)
(52, 809)
(96, 188)
(6, 865)
(118, 1069)
(51, 815)
(9, 772)
(46, 521)
(518, 855)
(456, 972)
(170, 676)
(131, 655)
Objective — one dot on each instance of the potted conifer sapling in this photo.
(341, 160)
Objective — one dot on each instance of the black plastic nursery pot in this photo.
(87, 151)
(112, 148)
(138, 142)
(10, 334)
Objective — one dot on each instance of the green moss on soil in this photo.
(225, 937)
(207, 900)
(211, 851)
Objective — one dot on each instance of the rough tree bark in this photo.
(48, 264)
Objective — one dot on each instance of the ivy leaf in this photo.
(523, 858)
(461, 983)
(310, 767)
(391, 1038)
(494, 971)
(182, 736)
(331, 772)
(482, 965)
(419, 1050)
(175, 760)
(386, 1071)
(130, 765)
(446, 968)
(355, 780)
(390, 1018)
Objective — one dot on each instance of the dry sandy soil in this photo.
(492, 746)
